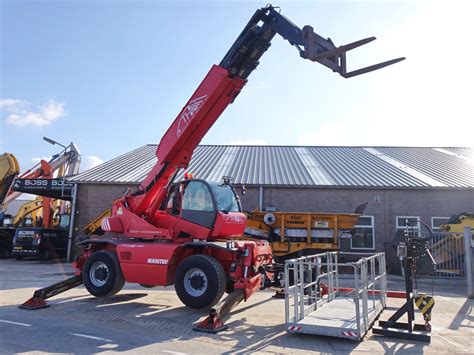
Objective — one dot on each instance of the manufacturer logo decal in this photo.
(36, 182)
(189, 112)
(235, 219)
(157, 261)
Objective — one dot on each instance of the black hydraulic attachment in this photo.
(39, 297)
(415, 256)
(243, 57)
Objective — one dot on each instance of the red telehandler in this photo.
(181, 233)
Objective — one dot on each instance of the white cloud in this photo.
(19, 112)
(248, 142)
(11, 103)
(90, 162)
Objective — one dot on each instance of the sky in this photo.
(111, 76)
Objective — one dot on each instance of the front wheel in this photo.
(102, 275)
(200, 281)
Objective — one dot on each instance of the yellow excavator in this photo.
(451, 247)
(29, 214)
(32, 213)
(457, 222)
(9, 169)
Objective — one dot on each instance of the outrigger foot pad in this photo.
(211, 324)
(39, 297)
(214, 322)
(34, 303)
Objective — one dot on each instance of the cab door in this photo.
(197, 203)
(189, 210)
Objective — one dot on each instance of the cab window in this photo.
(197, 197)
(225, 198)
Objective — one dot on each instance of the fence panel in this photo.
(447, 250)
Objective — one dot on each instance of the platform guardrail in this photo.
(327, 295)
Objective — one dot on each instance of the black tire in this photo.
(200, 281)
(102, 275)
(147, 286)
(19, 257)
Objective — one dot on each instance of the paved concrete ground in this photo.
(154, 321)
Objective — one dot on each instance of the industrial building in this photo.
(399, 183)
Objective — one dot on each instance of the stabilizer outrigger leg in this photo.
(39, 297)
(214, 322)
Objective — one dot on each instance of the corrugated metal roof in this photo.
(401, 167)
(462, 152)
(356, 167)
(131, 167)
(451, 171)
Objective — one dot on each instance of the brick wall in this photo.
(384, 205)
(92, 200)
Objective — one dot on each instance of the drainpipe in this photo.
(71, 222)
(260, 199)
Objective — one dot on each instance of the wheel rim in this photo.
(99, 274)
(195, 282)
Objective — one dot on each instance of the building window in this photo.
(364, 234)
(411, 221)
(436, 222)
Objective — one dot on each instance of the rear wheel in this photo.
(200, 281)
(102, 275)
